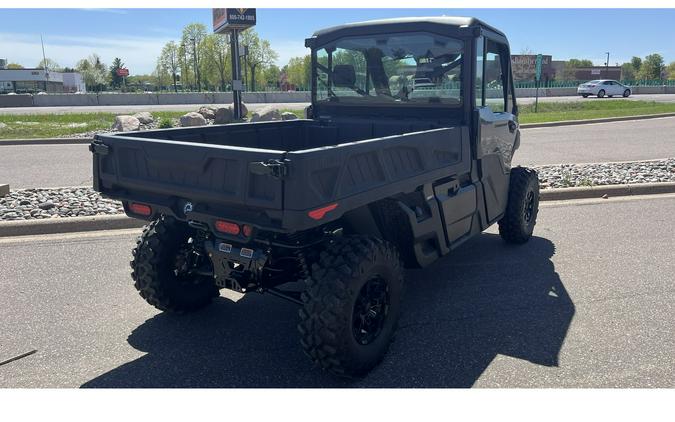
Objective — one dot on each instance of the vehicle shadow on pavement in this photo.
(486, 298)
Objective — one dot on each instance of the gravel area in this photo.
(28, 204)
(570, 175)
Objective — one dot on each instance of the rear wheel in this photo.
(601, 93)
(352, 305)
(626, 93)
(584, 95)
(517, 224)
(162, 262)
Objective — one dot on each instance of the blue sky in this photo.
(137, 35)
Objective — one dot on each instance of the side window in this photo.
(496, 82)
(478, 83)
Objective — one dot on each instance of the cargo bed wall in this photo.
(356, 174)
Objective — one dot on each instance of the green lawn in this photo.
(55, 125)
(592, 109)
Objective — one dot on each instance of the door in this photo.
(498, 124)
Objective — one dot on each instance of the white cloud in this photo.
(138, 53)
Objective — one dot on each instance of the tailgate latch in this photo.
(98, 147)
(275, 168)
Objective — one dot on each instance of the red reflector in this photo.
(227, 227)
(319, 213)
(140, 209)
(247, 230)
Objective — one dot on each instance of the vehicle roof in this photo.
(456, 21)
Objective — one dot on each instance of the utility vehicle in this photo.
(379, 177)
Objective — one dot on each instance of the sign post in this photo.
(537, 78)
(123, 72)
(233, 21)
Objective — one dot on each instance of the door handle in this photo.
(512, 126)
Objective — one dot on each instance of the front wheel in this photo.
(351, 305)
(601, 93)
(626, 93)
(517, 224)
(584, 95)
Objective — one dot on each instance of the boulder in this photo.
(266, 114)
(144, 117)
(192, 119)
(224, 115)
(208, 112)
(287, 115)
(126, 124)
(2, 125)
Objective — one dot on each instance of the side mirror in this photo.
(344, 76)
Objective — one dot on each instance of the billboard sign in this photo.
(123, 72)
(227, 19)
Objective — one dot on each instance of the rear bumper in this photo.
(581, 91)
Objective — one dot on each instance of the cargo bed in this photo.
(273, 174)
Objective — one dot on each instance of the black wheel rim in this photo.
(370, 311)
(529, 206)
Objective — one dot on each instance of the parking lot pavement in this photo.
(588, 302)
(598, 142)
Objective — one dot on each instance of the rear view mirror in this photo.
(344, 76)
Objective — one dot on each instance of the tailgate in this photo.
(213, 174)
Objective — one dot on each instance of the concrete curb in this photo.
(116, 222)
(590, 121)
(609, 190)
(45, 141)
(67, 225)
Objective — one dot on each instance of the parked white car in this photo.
(602, 88)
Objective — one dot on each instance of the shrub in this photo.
(165, 123)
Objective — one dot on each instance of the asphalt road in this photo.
(588, 302)
(70, 165)
(598, 142)
(662, 98)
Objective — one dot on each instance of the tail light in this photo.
(320, 213)
(247, 230)
(140, 209)
(228, 227)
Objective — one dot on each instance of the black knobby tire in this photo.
(601, 93)
(334, 331)
(626, 93)
(154, 260)
(517, 224)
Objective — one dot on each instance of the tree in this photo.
(298, 71)
(116, 80)
(260, 53)
(14, 66)
(271, 75)
(671, 70)
(627, 71)
(217, 56)
(94, 72)
(169, 61)
(48, 64)
(652, 67)
(569, 70)
(193, 36)
(636, 62)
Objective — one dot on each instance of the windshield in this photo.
(407, 68)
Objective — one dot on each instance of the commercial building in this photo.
(597, 72)
(31, 81)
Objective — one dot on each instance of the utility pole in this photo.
(44, 61)
(607, 66)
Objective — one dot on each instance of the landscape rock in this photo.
(144, 117)
(266, 114)
(192, 119)
(126, 123)
(208, 112)
(224, 115)
(2, 125)
(287, 115)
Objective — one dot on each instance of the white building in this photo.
(37, 80)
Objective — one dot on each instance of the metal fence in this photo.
(574, 84)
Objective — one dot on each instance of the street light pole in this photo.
(607, 66)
